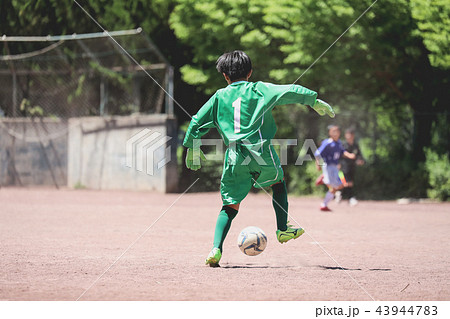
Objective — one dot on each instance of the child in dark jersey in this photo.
(348, 166)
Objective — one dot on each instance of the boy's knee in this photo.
(279, 188)
(233, 206)
(231, 210)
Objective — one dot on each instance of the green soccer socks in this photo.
(223, 224)
(280, 204)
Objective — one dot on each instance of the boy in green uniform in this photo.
(242, 113)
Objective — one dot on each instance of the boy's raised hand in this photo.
(194, 159)
(323, 108)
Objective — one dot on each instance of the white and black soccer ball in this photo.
(252, 241)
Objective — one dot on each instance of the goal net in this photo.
(97, 74)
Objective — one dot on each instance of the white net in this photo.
(44, 81)
(82, 75)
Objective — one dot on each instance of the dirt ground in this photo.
(66, 244)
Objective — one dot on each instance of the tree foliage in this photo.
(391, 62)
(433, 24)
(55, 17)
(387, 75)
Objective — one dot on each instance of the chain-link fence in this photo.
(45, 80)
(118, 73)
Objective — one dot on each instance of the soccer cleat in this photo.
(353, 201)
(288, 234)
(319, 180)
(213, 258)
(325, 209)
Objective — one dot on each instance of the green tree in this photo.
(393, 62)
(43, 17)
(388, 74)
(55, 17)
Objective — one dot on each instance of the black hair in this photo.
(235, 64)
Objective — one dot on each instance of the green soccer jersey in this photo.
(242, 112)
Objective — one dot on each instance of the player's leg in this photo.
(347, 192)
(334, 183)
(330, 193)
(351, 195)
(319, 180)
(339, 195)
(349, 188)
(223, 224)
(235, 184)
(272, 174)
(280, 204)
(327, 199)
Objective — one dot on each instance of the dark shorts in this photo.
(349, 174)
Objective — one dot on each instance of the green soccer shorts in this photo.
(244, 168)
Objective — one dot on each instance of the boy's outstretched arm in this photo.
(199, 126)
(293, 94)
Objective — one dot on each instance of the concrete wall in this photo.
(97, 153)
(33, 152)
(88, 152)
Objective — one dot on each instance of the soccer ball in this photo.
(252, 241)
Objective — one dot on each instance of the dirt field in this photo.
(56, 244)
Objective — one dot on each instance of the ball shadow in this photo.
(253, 266)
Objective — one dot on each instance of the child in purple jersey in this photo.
(331, 151)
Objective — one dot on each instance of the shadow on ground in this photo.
(343, 268)
(254, 266)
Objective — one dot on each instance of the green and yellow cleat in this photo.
(288, 234)
(213, 258)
